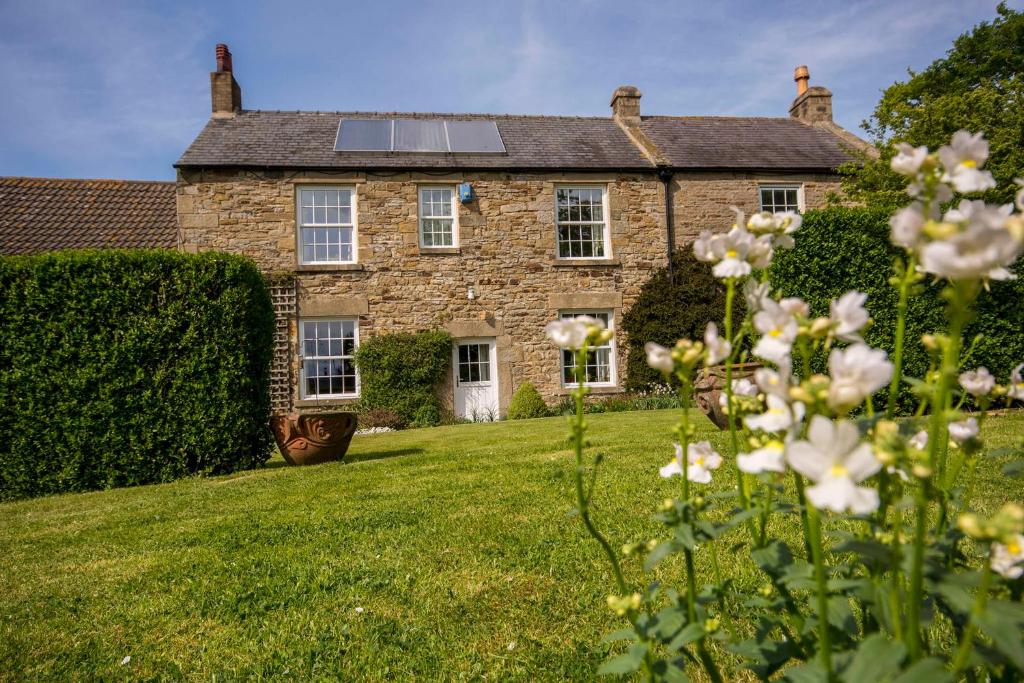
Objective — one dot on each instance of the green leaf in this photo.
(626, 663)
(809, 672)
(774, 558)
(1005, 635)
(689, 634)
(621, 634)
(660, 552)
(841, 616)
(668, 620)
(684, 535)
(1014, 469)
(930, 670)
(876, 660)
(869, 551)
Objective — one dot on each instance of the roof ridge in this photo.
(43, 179)
(702, 117)
(426, 113)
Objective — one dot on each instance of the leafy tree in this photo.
(977, 86)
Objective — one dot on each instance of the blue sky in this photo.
(106, 89)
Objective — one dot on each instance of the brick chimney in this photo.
(812, 104)
(626, 104)
(225, 93)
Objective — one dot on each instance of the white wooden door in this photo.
(475, 366)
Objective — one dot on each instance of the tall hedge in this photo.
(400, 373)
(130, 367)
(839, 249)
(667, 310)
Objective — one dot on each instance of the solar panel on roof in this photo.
(364, 135)
(474, 136)
(420, 135)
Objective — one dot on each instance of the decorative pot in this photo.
(710, 386)
(314, 438)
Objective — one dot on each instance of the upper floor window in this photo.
(778, 198)
(438, 217)
(600, 365)
(327, 232)
(581, 217)
(328, 363)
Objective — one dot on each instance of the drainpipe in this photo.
(666, 177)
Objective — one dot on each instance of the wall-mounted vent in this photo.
(418, 136)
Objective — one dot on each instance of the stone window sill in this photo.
(439, 251)
(587, 263)
(325, 402)
(564, 391)
(327, 267)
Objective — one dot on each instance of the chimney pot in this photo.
(223, 58)
(626, 104)
(801, 75)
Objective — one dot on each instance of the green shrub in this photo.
(668, 310)
(399, 372)
(130, 367)
(527, 403)
(658, 400)
(839, 249)
(380, 417)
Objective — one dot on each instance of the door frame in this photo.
(495, 384)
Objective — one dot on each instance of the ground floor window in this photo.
(779, 198)
(600, 367)
(328, 363)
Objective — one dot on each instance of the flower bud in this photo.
(666, 505)
(820, 327)
(971, 525)
(711, 625)
(699, 502)
(929, 342)
(801, 394)
(940, 230)
(767, 590)
(921, 471)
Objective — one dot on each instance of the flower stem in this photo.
(963, 652)
(582, 502)
(730, 295)
(817, 552)
(901, 328)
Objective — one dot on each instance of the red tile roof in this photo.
(44, 214)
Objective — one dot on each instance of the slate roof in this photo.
(694, 142)
(44, 214)
(306, 140)
(280, 139)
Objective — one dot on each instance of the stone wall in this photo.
(506, 252)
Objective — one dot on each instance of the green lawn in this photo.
(455, 542)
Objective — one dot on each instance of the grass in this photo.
(456, 543)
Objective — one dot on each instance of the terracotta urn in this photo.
(314, 438)
(710, 385)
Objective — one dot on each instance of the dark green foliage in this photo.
(977, 86)
(666, 311)
(840, 249)
(399, 372)
(130, 367)
(621, 403)
(527, 403)
(380, 417)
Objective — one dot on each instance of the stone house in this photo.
(488, 226)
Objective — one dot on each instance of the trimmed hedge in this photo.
(666, 311)
(399, 373)
(130, 367)
(839, 249)
(527, 403)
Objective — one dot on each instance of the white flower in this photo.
(734, 253)
(891, 469)
(1016, 388)
(755, 294)
(718, 349)
(836, 460)
(359, 610)
(778, 329)
(768, 458)
(659, 358)
(571, 333)
(906, 225)
(857, 372)
(795, 306)
(126, 660)
(760, 255)
(919, 440)
(964, 430)
(963, 159)
(743, 387)
(1006, 559)
(761, 223)
(977, 382)
(849, 315)
(908, 159)
(977, 253)
(701, 458)
(779, 416)
(772, 382)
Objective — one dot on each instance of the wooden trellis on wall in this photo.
(282, 294)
